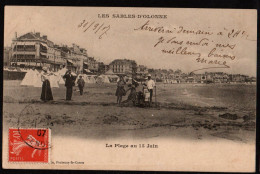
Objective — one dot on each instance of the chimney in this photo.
(15, 36)
(44, 37)
(38, 34)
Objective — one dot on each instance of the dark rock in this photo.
(229, 116)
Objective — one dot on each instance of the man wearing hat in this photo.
(81, 84)
(69, 83)
(150, 85)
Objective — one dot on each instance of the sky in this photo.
(61, 25)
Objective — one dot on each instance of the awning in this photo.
(45, 45)
(59, 63)
(87, 70)
(27, 63)
(86, 63)
(28, 43)
(22, 63)
(33, 63)
(43, 54)
(70, 61)
(26, 53)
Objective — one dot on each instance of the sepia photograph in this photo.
(116, 88)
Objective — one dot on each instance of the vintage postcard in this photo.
(116, 88)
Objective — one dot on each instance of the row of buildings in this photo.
(170, 76)
(34, 50)
(124, 66)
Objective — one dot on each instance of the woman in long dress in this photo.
(133, 93)
(46, 87)
(120, 91)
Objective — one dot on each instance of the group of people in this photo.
(70, 79)
(133, 95)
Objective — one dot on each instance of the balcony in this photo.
(24, 52)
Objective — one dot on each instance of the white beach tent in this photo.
(61, 81)
(54, 81)
(29, 78)
(103, 78)
(174, 81)
(113, 78)
(33, 78)
(84, 77)
(87, 79)
(99, 79)
(59, 77)
(106, 79)
(92, 79)
(37, 81)
(62, 71)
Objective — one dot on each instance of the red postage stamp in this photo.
(29, 145)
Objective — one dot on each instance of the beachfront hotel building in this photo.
(123, 66)
(33, 50)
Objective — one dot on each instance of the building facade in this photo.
(31, 50)
(123, 66)
(34, 50)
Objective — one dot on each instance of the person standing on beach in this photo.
(69, 83)
(132, 96)
(120, 91)
(46, 94)
(150, 85)
(81, 84)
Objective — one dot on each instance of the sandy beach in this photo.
(187, 111)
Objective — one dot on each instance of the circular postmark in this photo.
(29, 132)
